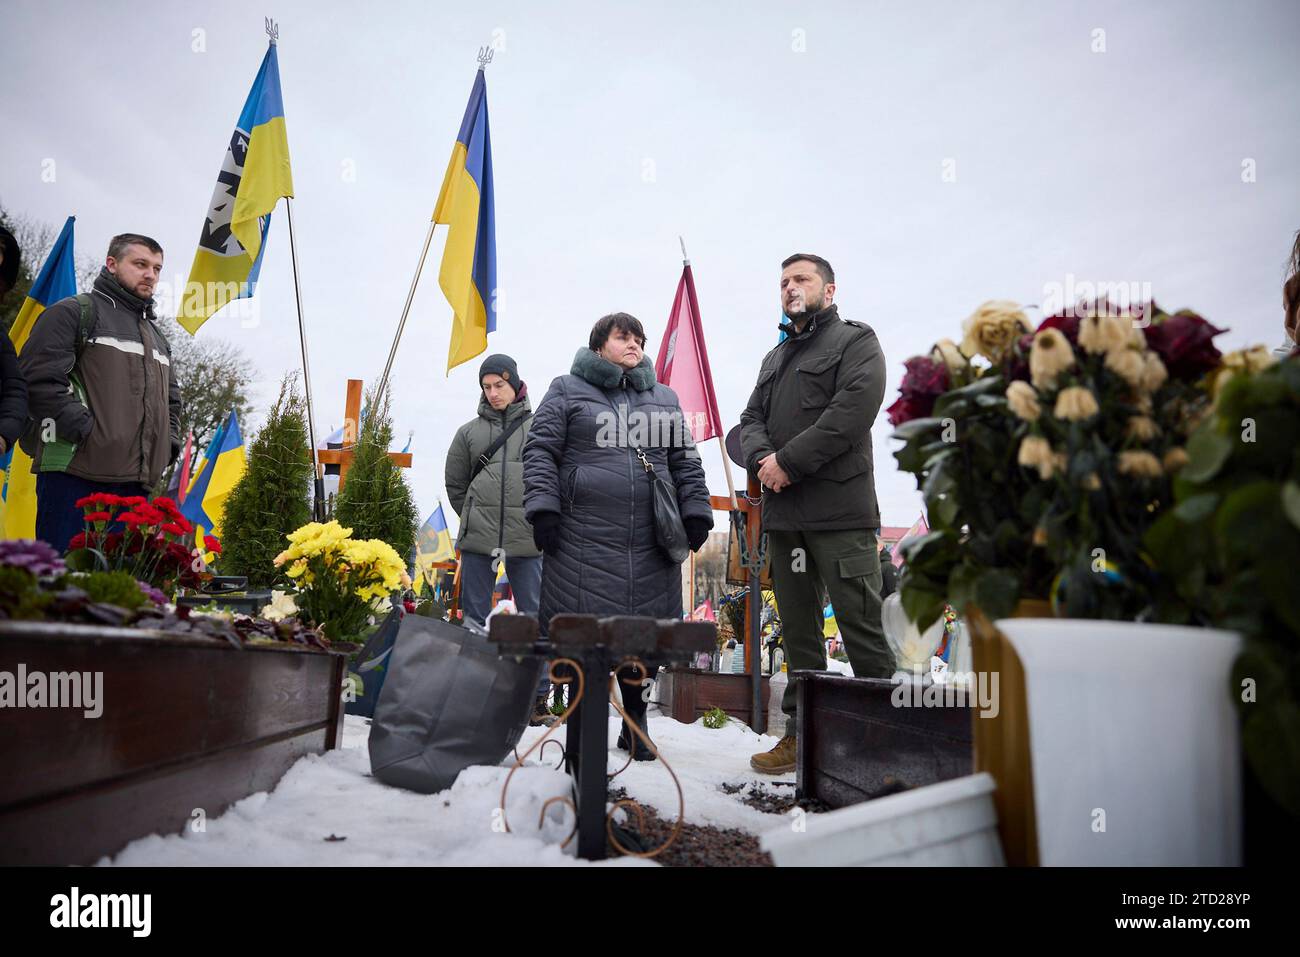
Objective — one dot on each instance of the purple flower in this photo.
(35, 556)
(153, 594)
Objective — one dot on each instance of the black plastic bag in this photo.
(448, 702)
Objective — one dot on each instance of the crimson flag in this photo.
(683, 363)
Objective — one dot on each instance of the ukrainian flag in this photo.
(58, 280)
(433, 544)
(220, 470)
(253, 177)
(468, 276)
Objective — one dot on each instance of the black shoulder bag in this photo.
(670, 533)
(482, 461)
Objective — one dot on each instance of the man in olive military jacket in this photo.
(806, 433)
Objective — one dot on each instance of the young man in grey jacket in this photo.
(485, 486)
(102, 390)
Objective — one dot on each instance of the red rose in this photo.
(1066, 323)
(1184, 342)
(212, 544)
(924, 381)
(97, 516)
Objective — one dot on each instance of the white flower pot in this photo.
(1134, 742)
(949, 824)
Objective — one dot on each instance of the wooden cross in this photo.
(351, 417)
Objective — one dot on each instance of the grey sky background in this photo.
(617, 127)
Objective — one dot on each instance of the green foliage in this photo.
(375, 501)
(20, 598)
(715, 718)
(982, 507)
(1228, 552)
(113, 588)
(273, 498)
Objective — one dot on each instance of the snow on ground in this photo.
(332, 795)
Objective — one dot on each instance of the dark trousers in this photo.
(478, 579)
(845, 565)
(57, 516)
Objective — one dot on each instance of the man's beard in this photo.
(810, 306)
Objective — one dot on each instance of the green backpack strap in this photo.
(87, 323)
(56, 455)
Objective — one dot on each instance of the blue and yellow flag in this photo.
(433, 544)
(219, 471)
(58, 280)
(253, 177)
(468, 276)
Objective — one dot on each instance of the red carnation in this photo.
(171, 528)
(168, 506)
(924, 381)
(1184, 342)
(133, 518)
(134, 500)
(212, 544)
(154, 516)
(98, 516)
(78, 541)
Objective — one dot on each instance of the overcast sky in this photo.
(938, 154)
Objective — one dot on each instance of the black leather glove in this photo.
(546, 531)
(697, 531)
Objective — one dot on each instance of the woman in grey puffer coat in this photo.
(587, 495)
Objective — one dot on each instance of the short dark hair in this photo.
(621, 321)
(823, 267)
(119, 243)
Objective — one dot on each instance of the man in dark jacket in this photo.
(103, 392)
(888, 573)
(13, 387)
(806, 433)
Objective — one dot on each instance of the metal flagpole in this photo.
(406, 309)
(726, 462)
(318, 507)
(484, 58)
